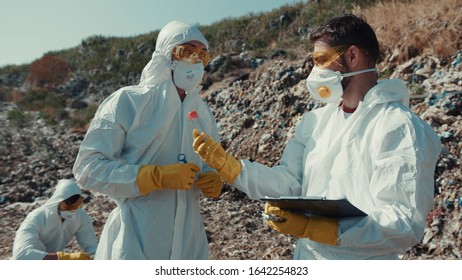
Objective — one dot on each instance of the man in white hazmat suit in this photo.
(138, 151)
(365, 146)
(47, 230)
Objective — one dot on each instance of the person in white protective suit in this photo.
(138, 151)
(365, 146)
(47, 230)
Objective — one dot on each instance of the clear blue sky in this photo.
(30, 28)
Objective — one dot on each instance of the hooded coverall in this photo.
(43, 231)
(381, 158)
(139, 125)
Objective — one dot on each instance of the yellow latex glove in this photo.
(73, 256)
(178, 176)
(216, 157)
(210, 184)
(319, 229)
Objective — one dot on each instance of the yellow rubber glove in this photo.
(210, 184)
(73, 256)
(177, 176)
(216, 157)
(319, 229)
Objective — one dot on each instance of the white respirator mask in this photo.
(67, 215)
(187, 76)
(325, 85)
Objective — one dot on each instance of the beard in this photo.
(346, 80)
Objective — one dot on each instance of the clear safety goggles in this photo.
(191, 54)
(72, 206)
(328, 56)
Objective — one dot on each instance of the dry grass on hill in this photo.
(417, 27)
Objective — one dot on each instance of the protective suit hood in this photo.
(174, 33)
(64, 189)
(387, 91)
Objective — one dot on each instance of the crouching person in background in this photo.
(47, 230)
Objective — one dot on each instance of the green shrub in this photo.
(51, 106)
(5, 95)
(81, 118)
(17, 117)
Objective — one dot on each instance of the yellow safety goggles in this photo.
(191, 54)
(65, 206)
(328, 56)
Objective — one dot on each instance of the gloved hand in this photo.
(178, 176)
(319, 229)
(216, 157)
(73, 256)
(210, 184)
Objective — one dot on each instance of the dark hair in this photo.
(73, 199)
(349, 30)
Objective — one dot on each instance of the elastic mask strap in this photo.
(359, 72)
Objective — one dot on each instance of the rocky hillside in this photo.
(256, 116)
(257, 101)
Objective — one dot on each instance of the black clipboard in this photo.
(318, 206)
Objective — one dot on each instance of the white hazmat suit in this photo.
(147, 124)
(43, 231)
(381, 158)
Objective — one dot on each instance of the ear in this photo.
(353, 56)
